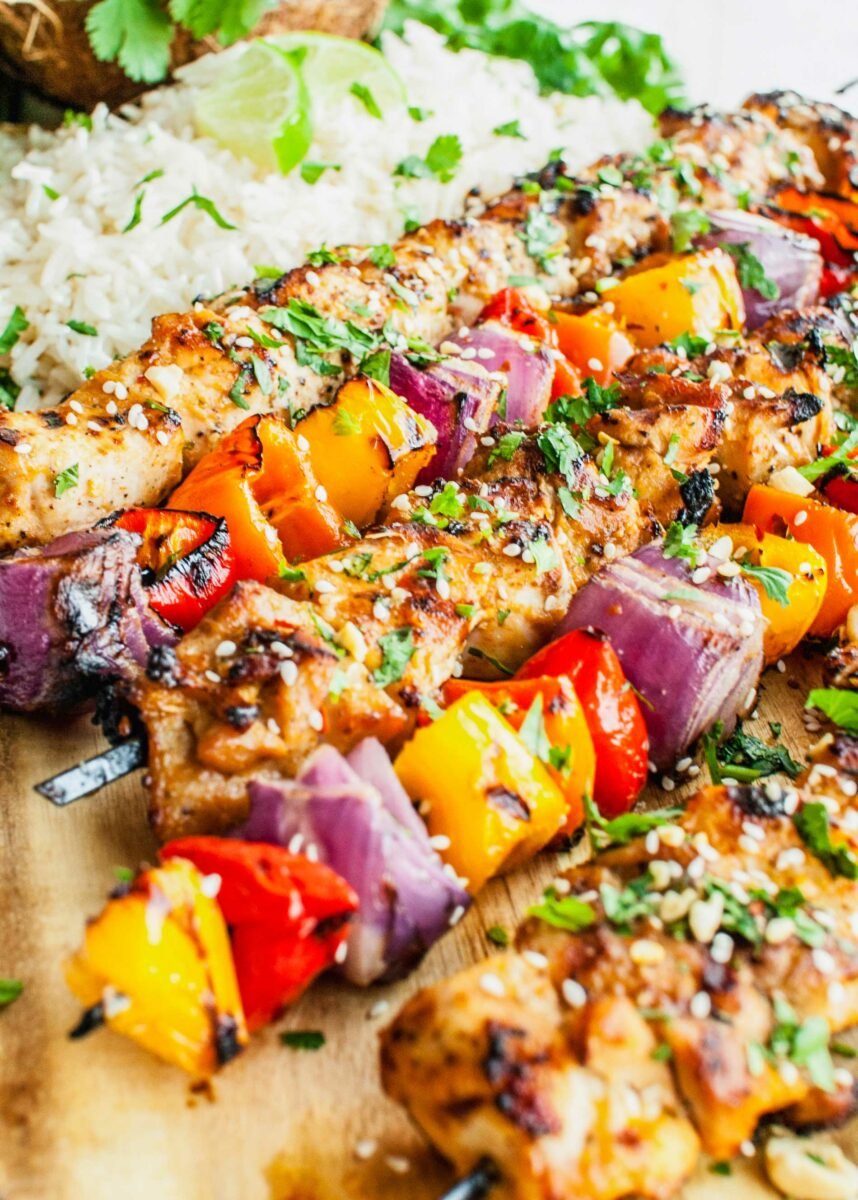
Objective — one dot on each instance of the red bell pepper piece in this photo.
(611, 709)
(187, 560)
(511, 307)
(288, 916)
(832, 221)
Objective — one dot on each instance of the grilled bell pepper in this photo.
(830, 531)
(832, 221)
(187, 561)
(697, 294)
(840, 487)
(156, 966)
(786, 623)
(260, 478)
(593, 342)
(512, 307)
(611, 710)
(557, 726)
(481, 788)
(287, 916)
(366, 448)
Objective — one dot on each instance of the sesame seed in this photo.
(120, 391)
(323, 586)
(800, 518)
(779, 930)
(341, 952)
(573, 993)
(289, 673)
(398, 1163)
(721, 950)
(76, 406)
(595, 364)
(295, 843)
(457, 914)
(225, 648)
(378, 1009)
(645, 952)
(535, 959)
(728, 570)
(366, 1147)
(316, 720)
(471, 424)
(492, 984)
(321, 494)
(24, 448)
(748, 1149)
(212, 676)
(303, 443)
(700, 1006)
(674, 611)
(823, 960)
(245, 343)
(440, 841)
(71, 419)
(111, 408)
(512, 550)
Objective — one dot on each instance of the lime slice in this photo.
(258, 108)
(331, 65)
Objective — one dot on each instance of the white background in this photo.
(728, 48)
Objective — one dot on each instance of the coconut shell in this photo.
(45, 45)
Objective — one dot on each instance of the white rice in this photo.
(67, 259)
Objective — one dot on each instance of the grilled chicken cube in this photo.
(730, 934)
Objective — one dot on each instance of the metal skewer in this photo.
(475, 1185)
(92, 775)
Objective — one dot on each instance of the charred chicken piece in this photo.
(729, 935)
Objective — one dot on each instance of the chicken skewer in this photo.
(149, 418)
(552, 1059)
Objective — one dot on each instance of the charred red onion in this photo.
(72, 615)
(790, 260)
(693, 652)
(527, 367)
(459, 398)
(355, 813)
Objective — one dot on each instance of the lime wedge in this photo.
(331, 65)
(258, 108)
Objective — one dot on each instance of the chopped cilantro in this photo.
(381, 256)
(811, 822)
(363, 93)
(497, 935)
(137, 213)
(751, 272)
(680, 541)
(544, 555)
(775, 581)
(690, 343)
(847, 358)
(203, 204)
(377, 366)
(543, 238)
(262, 374)
(82, 328)
(511, 129)
(448, 502)
(566, 912)
(621, 830)
(397, 649)
(10, 990)
(66, 480)
(685, 225)
(839, 458)
(15, 326)
(476, 652)
(345, 423)
(303, 1039)
(312, 172)
(506, 446)
(441, 161)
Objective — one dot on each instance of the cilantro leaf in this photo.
(204, 205)
(751, 272)
(303, 1039)
(690, 343)
(745, 758)
(10, 990)
(363, 93)
(623, 829)
(543, 238)
(567, 912)
(582, 60)
(397, 649)
(15, 326)
(442, 160)
(811, 822)
(776, 581)
(532, 731)
(577, 410)
(830, 462)
(82, 328)
(560, 451)
(506, 446)
(838, 704)
(510, 129)
(9, 389)
(229, 19)
(66, 480)
(312, 172)
(136, 33)
(497, 935)
(377, 366)
(685, 225)
(381, 256)
(544, 555)
(680, 541)
(847, 358)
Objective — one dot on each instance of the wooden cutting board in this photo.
(102, 1120)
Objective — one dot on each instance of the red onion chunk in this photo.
(693, 652)
(458, 398)
(789, 259)
(360, 828)
(73, 614)
(527, 366)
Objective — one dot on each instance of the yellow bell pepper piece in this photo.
(482, 788)
(697, 293)
(366, 448)
(787, 623)
(158, 962)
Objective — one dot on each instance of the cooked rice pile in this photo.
(67, 258)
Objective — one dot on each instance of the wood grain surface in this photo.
(102, 1120)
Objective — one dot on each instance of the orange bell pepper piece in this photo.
(567, 380)
(366, 448)
(571, 757)
(830, 531)
(697, 293)
(262, 481)
(593, 342)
